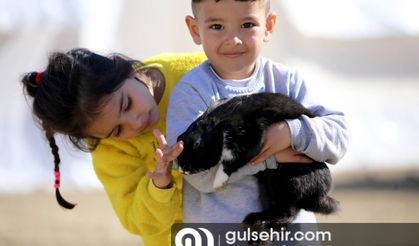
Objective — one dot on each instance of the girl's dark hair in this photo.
(67, 96)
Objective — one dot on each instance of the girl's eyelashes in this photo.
(129, 104)
(118, 131)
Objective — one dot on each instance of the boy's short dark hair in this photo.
(267, 2)
(198, 1)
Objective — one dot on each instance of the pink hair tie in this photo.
(57, 179)
(38, 78)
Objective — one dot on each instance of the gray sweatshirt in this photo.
(322, 138)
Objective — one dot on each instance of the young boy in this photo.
(232, 33)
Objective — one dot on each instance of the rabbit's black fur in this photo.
(232, 132)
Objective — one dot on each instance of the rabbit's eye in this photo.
(197, 143)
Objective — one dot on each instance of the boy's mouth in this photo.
(232, 54)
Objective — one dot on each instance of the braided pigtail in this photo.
(68, 94)
(57, 174)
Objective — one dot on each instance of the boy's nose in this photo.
(233, 38)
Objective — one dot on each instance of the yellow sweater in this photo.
(142, 208)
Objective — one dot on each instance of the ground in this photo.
(36, 219)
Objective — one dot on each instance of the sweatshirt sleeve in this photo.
(141, 207)
(322, 138)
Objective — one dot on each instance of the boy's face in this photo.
(232, 34)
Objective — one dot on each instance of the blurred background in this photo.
(358, 56)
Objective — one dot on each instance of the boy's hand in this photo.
(278, 143)
(277, 138)
(289, 155)
(162, 176)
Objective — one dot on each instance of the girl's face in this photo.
(232, 34)
(127, 112)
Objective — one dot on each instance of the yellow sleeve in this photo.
(142, 208)
(175, 65)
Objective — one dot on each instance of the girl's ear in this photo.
(193, 28)
(270, 26)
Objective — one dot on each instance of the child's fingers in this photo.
(150, 175)
(164, 158)
(161, 176)
(160, 138)
(168, 153)
(161, 164)
(171, 153)
(303, 159)
(176, 150)
(263, 155)
(291, 156)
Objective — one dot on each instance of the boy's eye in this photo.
(248, 25)
(216, 27)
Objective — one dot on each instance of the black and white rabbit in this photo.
(231, 133)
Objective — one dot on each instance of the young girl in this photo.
(109, 106)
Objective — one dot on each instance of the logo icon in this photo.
(183, 237)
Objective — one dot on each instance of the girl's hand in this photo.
(277, 139)
(162, 175)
